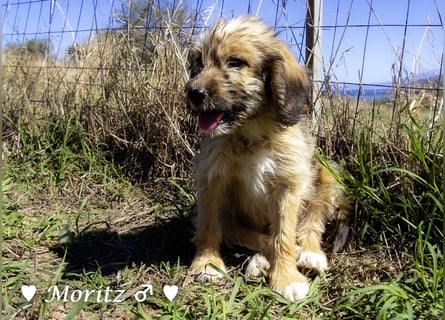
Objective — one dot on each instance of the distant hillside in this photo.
(431, 79)
(430, 82)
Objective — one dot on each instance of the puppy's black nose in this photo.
(197, 96)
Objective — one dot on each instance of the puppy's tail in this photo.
(341, 221)
(338, 218)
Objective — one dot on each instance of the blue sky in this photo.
(343, 47)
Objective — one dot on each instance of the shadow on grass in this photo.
(109, 251)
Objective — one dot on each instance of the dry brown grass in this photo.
(133, 108)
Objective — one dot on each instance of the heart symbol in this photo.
(170, 292)
(28, 291)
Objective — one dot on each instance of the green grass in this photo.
(71, 218)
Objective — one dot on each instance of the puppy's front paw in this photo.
(207, 268)
(258, 266)
(312, 260)
(296, 289)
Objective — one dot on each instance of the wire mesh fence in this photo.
(409, 40)
(104, 61)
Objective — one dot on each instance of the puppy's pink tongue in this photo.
(208, 120)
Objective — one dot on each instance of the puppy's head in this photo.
(239, 70)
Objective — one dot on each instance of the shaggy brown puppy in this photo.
(258, 183)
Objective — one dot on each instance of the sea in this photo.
(385, 90)
(370, 94)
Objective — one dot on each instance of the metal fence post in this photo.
(314, 62)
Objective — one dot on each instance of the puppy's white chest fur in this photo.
(254, 172)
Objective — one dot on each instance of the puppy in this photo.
(258, 184)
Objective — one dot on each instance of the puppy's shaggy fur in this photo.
(257, 181)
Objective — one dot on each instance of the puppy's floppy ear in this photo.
(287, 86)
(194, 61)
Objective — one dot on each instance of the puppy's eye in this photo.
(234, 62)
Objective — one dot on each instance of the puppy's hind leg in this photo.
(236, 234)
(329, 203)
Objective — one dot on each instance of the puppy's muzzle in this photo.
(209, 116)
